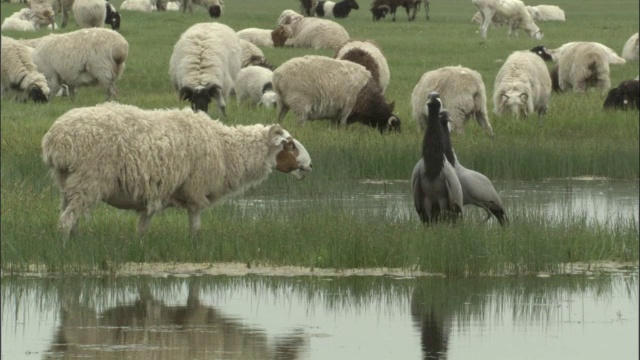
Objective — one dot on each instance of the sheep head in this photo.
(36, 94)
(517, 101)
(201, 97)
(113, 17)
(353, 4)
(542, 51)
(215, 11)
(291, 158)
(280, 35)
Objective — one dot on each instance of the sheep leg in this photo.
(393, 12)
(65, 18)
(143, 221)
(426, 8)
(194, 219)
(483, 121)
(283, 109)
(487, 15)
(112, 91)
(54, 87)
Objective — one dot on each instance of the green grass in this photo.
(576, 139)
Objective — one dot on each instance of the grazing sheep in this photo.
(254, 84)
(264, 37)
(523, 85)
(630, 50)
(89, 13)
(380, 12)
(204, 64)
(411, 6)
(546, 13)
(437, 193)
(477, 189)
(330, 9)
(214, 7)
(625, 96)
(137, 5)
(513, 10)
(19, 73)
(461, 89)
(316, 33)
(318, 87)
(584, 64)
(308, 7)
(82, 57)
(252, 55)
(113, 17)
(369, 55)
(147, 160)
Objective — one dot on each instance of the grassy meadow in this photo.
(576, 139)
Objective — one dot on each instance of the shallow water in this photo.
(309, 317)
(601, 201)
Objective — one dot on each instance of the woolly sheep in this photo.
(89, 13)
(317, 34)
(318, 87)
(630, 50)
(147, 160)
(20, 73)
(625, 96)
(522, 85)
(331, 9)
(461, 90)
(546, 13)
(584, 64)
(264, 37)
(214, 7)
(137, 5)
(254, 84)
(370, 56)
(82, 57)
(204, 64)
(17, 24)
(513, 10)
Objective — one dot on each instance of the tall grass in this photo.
(576, 138)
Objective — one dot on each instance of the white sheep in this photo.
(512, 10)
(523, 85)
(369, 55)
(546, 13)
(630, 50)
(265, 37)
(174, 157)
(318, 87)
(584, 64)
(461, 90)
(215, 7)
(137, 5)
(83, 57)
(204, 64)
(28, 19)
(20, 73)
(89, 13)
(254, 84)
(315, 33)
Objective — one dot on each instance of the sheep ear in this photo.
(278, 135)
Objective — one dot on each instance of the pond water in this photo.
(313, 317)
(602, 201)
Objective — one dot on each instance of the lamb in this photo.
(513, 10)
(316, 33)
(308, 7)
(20, 73)
(330, 9)
(523, 85)
(214, 7)
(461, 90)
(625, 96)
(630, 51)
(89, 13)
(147, 160)
(204, 64)
(137, 5)
(367, 54)
(584, 64)
(546, 13)
(264, 37)
(82, 57)
(254, 84)
(411, 6)
(318, 87)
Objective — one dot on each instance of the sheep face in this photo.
(292, 157)
(44, 19)
(36, 94)
(215, 11)
(268, 99)
(516, 101)
(542, 51)
(113, 17)
(200, 98)
(280, 35)
(380, 12)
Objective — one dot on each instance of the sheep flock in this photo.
(176, 155)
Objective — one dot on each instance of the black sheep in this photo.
(625, 96)
(411, 6)
(380, 12)
(372, 109)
